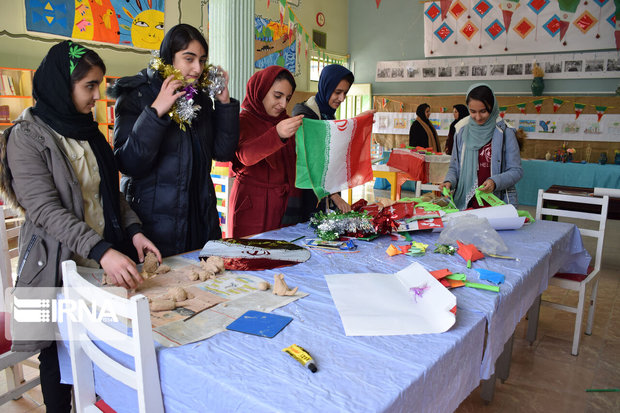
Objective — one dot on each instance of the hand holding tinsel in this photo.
(218, 82)
(183, 111)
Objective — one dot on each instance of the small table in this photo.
(394, 176)
(614, 203)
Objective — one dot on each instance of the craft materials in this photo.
(503, 257)
(255, 254)
(602, 390)
(469, 252)
(280, 287)
(297, 239)
(259, 323)
(302, 356)
(418, 291)
(492, 276)
(493, 288)
(445, 249)
(337, 245)
(334, 225)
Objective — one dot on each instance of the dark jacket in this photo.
(41, 182)
(157, 160)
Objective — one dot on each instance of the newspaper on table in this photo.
(216, 302)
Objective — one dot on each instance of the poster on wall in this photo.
(137, 23)
(493, 27)
(589, 65)
(275, 43)
(546, 126)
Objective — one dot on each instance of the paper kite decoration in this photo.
(469, 252)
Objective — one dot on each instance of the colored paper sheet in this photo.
(383, 304)
(259, 323)
(501, 217)
(492, 276)
(392, 250)
(439, 274)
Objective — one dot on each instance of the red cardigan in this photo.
(264, 166)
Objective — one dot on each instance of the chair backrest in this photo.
(566, 211)
(84, 334)
(9, 234)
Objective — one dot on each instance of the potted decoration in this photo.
(537, 83)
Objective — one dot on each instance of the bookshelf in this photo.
(222, 181)
(104, 109)
(15, 94)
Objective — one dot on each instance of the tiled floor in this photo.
(544, 377)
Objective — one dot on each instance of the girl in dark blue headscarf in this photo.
(334, 83)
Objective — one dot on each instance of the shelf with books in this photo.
(104, 109)
(15, 93)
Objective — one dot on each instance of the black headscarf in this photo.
(463, 113)
(54, 105)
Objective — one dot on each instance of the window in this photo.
(320, 59)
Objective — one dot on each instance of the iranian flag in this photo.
(333, 155)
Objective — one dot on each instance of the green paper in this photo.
(493, 288)
(526, 214)
(457, 276)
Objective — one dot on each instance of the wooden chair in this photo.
(575, 282)
(85, 333)
(10, 361)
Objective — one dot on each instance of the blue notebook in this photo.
(259, 323)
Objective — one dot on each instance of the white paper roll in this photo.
(612, 192)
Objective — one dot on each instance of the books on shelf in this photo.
(110, 118)
(5, 115)
(7, 86)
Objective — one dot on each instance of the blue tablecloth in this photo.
(436, 372)
(539, 174)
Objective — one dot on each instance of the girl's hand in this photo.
(224, 96)
(286, 128)
(341, 204)
(144, 245)
(120, 269)
(445, 185)
(487, 186)
(167, 95)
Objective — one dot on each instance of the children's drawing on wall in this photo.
(547, 126)
(400, 123)
(527, 125)
(126, 22)
(592, 128)
(570, 127)
(274, 44)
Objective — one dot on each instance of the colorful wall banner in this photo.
(137, 23)
(492, 27)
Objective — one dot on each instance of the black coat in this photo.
(171, 193)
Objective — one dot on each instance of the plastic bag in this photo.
(470, 229)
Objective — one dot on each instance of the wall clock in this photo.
(320, 19)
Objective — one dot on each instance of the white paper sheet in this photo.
(382, 304)
(500, 217)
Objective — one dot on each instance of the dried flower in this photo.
(571, 150)
(537, 71)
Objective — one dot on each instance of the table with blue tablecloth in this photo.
(539, 174)
(232, 371)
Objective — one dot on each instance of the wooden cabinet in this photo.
(104, 109)
(15, 94)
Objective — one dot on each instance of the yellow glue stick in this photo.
(301, 355)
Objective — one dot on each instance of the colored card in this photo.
(259, 323)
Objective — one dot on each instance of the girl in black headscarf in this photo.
(58, 169)
(459, 112)
(422, 132)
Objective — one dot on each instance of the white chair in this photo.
(11, 361)
(84, 333)
(575, 282)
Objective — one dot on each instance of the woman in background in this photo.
(265, 158)
(486, 153)
(422, 132)
(460, 112)
(166, 165)
(59, 170)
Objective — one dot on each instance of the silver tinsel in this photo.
(350, 225)
(186, 110)
(217, 81)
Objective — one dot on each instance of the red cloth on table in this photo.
(410, 162)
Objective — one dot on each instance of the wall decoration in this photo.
(137, 23)
(486, 27)
(275, 43)
(556, 66)
(320, 19)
